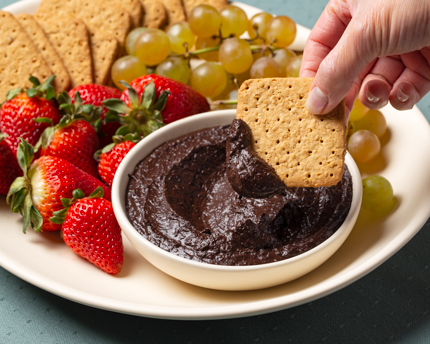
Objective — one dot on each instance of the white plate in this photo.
(141, 289)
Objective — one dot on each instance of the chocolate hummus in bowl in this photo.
(197, 211)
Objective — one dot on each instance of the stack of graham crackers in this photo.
(78, 40)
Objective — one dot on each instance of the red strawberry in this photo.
(75, 141)
(9, 168)
(95, 94)
(111, 158)
(182, 102)
(91, 230)
(37, 195)
(18, 113)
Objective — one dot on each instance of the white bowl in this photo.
(219, 276)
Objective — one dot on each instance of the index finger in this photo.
(324, 36)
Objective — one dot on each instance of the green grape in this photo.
(377, 193)
(358, 111)
(364, 145)
(258, 24)
(152, 47)
(181, 37)
(127, 68)
(242, 77)
(260, 53)
(284, 57)
(293, 67)
(373, 121)
(209, 79)
(227, 91)
(208, 42)
(174, 68)
(131, 39)
(205, 21)
(281, 31)
(234, 21)
(266, 67)
(235, 55)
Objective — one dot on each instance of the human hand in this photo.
(377, 49)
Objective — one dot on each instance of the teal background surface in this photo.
(389, 305)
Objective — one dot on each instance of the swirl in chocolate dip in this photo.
(180, 198)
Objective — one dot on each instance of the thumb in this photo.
(344, 67)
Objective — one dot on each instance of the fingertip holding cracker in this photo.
(306, 150)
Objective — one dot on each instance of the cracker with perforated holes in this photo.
(133, 7)
(70, 38)
(175, 11)
(19, 58)
(98, 15)
(104, 49)
(37, 35)
(305, 150)
(154, 14)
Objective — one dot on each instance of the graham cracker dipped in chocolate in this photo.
(305, 150)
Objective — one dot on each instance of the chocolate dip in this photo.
(248, 174)
(180, 198)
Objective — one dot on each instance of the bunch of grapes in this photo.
(211, 42)
(365, 128)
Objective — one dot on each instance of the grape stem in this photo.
(225, 102)
(254, 48)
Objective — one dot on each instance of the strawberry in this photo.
(46, 181)
(95, 94)
(9, 168)
(90, 229)
(182, 102)
(73, 139)
(110, 159)
(23, 113)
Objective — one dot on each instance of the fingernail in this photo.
(372, 98)
(401, 96)
(317, 101)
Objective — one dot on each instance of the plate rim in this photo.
(250, 308)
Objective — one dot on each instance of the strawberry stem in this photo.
(142, 117)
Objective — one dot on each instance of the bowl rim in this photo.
(120, 212)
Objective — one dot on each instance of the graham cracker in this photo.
(70, 38)
(98, 15)
(154, 14)
(175, 11)
(104, 49)
(19, 57)
(133, 7)
(305, 150)
(54, 61)
(190, 4)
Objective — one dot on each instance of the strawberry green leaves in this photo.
(143, 116)
(41, 90)
(60, 215)
(19, 196)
